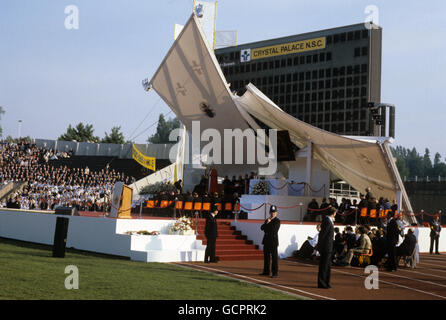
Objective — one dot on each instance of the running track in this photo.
(426, 282)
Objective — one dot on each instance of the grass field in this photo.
(28, 271)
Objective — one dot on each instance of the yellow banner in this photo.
(288, 48)
(147, 162)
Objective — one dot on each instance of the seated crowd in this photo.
(369, 211)
(365, 240)
(48, 186)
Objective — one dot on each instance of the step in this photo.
(225, 252)
(241, 246)
(224, 236)
(236, 257)
(222, 232)
(227, 241)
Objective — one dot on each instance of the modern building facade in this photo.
(325, 78)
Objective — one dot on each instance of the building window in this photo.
(322, 56)
(321, 73)
(357, 52)
(328, 84)
(350, 36)
(365, 51)
(365, 34)
(308, 75)
(328, 56)
(308, 59)
(364, 68)
(315, 58)
(321, 84)
(302, 60)
(329, 39)
(364, 80)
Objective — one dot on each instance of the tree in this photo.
(427, 163)
(115, 136)
(81, 133)
(163, 130)
(1, 112)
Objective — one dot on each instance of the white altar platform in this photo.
(104, 235)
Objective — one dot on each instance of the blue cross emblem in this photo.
(245, 55)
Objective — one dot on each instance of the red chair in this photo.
(151, 204)
(164, 204)
(206, 206)
(179, 205)
(363, 213)
(364, 259)
(188, 206)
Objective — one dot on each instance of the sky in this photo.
(51, 77)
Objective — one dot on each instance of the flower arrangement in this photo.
(143, 233)
(182, 224)
(260, 188)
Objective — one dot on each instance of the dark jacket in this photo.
(325, 239)
(435, 227)
(271, 237)
(408, 245)
(210, 229)
(393, 232)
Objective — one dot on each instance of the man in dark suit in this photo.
(393, 233)
(211, 233)
(325, 248)
(270, 243)
(408, 246)
(435, 234)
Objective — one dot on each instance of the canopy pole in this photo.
(309, 168)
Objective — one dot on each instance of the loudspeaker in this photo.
(60, 237)
(67, 211)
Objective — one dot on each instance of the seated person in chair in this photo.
(407, 247)
(307, 249)
(364, 247)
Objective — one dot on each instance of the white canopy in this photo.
(190, 77)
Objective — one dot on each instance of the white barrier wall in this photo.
(292, 236)
(285, 204)
(107, 236)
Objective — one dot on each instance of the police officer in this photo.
(211, 233)
(435, 234)
(270, 243)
